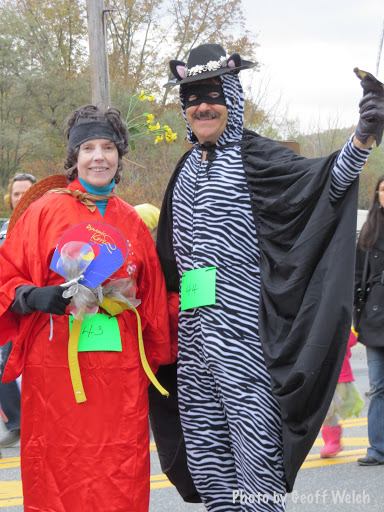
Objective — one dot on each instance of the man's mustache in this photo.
(205, 115)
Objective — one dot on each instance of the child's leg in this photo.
(331, 433)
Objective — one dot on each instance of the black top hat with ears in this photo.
(206, 61)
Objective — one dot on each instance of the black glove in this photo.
(371, 108)
(48, 300)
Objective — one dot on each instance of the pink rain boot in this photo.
(332, 445)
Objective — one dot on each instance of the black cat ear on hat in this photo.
(184, 73)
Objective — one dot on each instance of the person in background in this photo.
(259, 241)
(92, 454)
(17, 186)
(346, 402)
(9, 392)
(370, 330)
(150, 215)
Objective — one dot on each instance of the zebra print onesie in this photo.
(231, 421)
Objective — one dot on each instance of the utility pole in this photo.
(101, 95)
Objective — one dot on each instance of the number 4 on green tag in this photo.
(198, 288)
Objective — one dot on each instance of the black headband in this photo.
(82, 132)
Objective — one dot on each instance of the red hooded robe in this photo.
(92, 456)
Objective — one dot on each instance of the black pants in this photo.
(9, 393)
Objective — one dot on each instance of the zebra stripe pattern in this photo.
(230, 418)
(348, 166)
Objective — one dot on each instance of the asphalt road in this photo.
(322, 484)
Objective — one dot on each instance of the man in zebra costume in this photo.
(264, 240)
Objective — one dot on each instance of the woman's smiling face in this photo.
(97, 162)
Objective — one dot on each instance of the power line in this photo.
(380, 50)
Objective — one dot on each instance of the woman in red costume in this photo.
(90, 454)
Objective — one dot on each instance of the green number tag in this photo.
(198, 288)
(100, 332)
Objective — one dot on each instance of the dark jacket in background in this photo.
(371, 325)
(3, 232)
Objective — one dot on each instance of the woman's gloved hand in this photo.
(48, 299)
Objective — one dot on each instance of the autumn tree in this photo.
(143, 36)
(17, 69)
(136, 32)
(61, 25)
(39, 84)
(55, 33)
(195, 22)
(266, 117)
(373, 170)
(44, 71)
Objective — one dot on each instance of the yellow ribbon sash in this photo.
(113, 307)
(73, 361)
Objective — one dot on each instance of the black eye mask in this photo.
(202, 92)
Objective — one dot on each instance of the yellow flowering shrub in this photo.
(144, 124)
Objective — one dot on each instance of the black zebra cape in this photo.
(307, 248)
